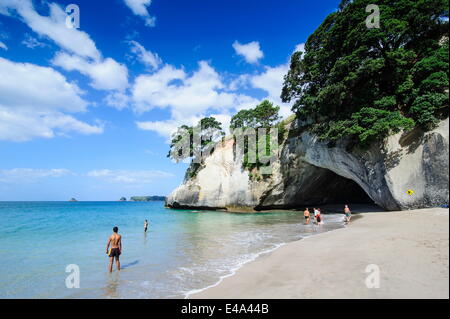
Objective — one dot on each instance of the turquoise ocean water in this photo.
(183, 251)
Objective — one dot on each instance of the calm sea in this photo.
(183, 251)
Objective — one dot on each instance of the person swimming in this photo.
(115, 240)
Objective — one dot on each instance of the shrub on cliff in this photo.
(367, 83)
(195, 141)
(264, 115)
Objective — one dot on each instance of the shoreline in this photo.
(409, 248)
(233, 271)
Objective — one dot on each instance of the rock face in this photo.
(308, 172)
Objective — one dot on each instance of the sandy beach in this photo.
(410, 249)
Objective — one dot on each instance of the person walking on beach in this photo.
(115, 240)
(306, 214)
(145, 226)
(348, 214)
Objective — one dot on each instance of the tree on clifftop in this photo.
(264, 115)
(367, 83)
(191, 141)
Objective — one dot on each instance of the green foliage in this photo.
(364, 84)
(208, 131)
(263, 116)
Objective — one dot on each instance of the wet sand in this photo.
(410, 249)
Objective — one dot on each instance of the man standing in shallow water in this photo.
(115, 240)
(348, 214)
(307, 216)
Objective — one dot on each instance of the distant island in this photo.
(147, 198)
(123, 199)
(73, 200)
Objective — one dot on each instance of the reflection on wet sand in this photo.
(112, 284)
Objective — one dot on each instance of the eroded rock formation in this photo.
(309, 172)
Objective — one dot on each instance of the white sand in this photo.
(411, 249)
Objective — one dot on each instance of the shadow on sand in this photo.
(131, 264)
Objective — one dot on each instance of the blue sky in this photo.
(87, 112)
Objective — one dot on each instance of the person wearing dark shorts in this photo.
(114, 252)
(306, 214)
(115, 240)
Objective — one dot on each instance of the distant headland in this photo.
(147, 198)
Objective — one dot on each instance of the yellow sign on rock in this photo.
(410, 192)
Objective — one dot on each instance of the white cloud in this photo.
(271, 81)
(30, 175)
(3, 46)
(168, 127)
(250, 51)
(240, 82)
(148, 58)
(118, 100)
(129, 176)
(189, 97)
(105, 75)
(26, 85)
(300, 47)
(34, 102)
(52, 27)
(139, 8)
(184, 94)
(31, 42)
(192, 96)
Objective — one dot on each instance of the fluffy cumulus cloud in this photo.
(189, 97)
(105, 75)
(30, 175)
(250, 51)
(118, 100)
(52, 27)
(187, 94)
(139, 8)
(80, 52)
(3, 46)
(271, 81)
(135, 177)
(38, 101)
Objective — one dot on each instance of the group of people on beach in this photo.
(318, 218)
(114, 246)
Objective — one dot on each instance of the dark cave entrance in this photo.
(332, 189)
(315, 186)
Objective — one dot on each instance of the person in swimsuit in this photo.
(348, 214)
(115, 240)
(316, 213)
(145, 225)
(319, 217)
(306, 214)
